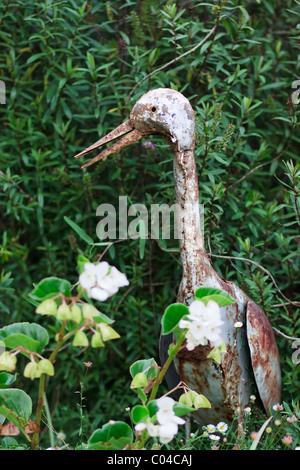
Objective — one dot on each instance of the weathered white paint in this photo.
(169, 112)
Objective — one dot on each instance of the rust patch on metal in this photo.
(200, 353)
(264, 356)
(206, 377)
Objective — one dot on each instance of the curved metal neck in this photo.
(195, 261)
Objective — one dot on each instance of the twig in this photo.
(285, 303)
(266, 163)
(170, 63)
(260, 267)
(285, 336)
(112, 243)
(16, 185)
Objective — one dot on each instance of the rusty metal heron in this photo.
(251, 358)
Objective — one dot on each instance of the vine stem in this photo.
(39, 411)
(165, 367)
(40, 402)
(159, 379)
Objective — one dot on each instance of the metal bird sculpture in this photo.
(251, 351)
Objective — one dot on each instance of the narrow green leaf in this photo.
(220, 299)
(142, 238)
(212, 293)
(79, 231)
(181, 409)
(7, 379)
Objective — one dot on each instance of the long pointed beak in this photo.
(131, 135)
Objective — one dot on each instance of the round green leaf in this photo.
(114, 435)
(152, 408)
(144, 365)
(49, 287)
(30, 336)
(17, 401)
(172, 316)
(139, 413)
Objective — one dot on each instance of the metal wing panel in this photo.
(264, 356)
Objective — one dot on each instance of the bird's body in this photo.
(251, 351)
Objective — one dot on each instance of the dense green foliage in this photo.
(70, 70)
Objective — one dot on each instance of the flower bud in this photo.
(32, 370)
(97, 340)
(47, 307)
(7, 361)
(139, 381)
(108, 332)
(63, 312)
(89, 311)
(80, 339)
(75, 313)
(46, 367)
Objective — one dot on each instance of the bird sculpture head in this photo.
(161, 111)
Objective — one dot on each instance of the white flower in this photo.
(102, 280)
(165, 409)
(238, 324)
(61, 436)
(168, 422)
(98, 294)
(139, 427)
(88, 278)
(211, 428)
(117, 277)
(167, 419)
(278, 407)
(222, 427)
(214, 437)
(203, 322)
(167, 432)
(153, 429)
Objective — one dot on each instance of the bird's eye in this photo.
(153, 109)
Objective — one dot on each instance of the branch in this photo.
(16, 185)
(284, 336)
(266, 163)
(260, 267)
(170, 63)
